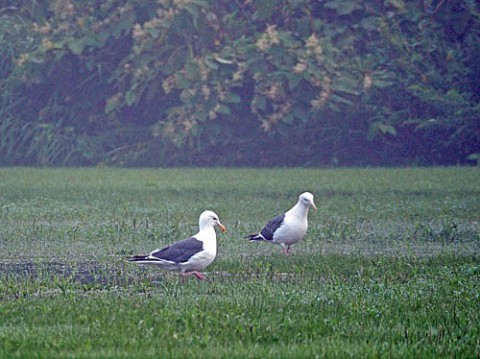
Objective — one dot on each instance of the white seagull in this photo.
(191, 255)
(287, 228)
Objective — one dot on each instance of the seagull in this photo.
(190, 255)
(287, 228)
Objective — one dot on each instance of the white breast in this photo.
(292, 230)
(204, 258)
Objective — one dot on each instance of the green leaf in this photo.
(201, 3)
(231, 97)
(293, 81)
(474, 157)
(112, 104)
(130, 97)
(93, 40)
(201, 116)
(261, 103)
(193, 10)
(183, 82)
(124, 25)
(382, 79)
(76, 46)
(341, 100)
(288, 118)
(384, 128)
(223, 109)
(380, 127)
(154, 32)
(346, 84)
(343, 7)
(265, 8)
(371, 23)
(213, 65)
(399, 4)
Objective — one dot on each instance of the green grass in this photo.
(390, 266)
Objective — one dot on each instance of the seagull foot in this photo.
(199, 275)
(286, 251)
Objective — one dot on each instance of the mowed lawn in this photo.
(390, 265)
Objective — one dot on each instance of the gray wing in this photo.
(179, 252)
(274, 224)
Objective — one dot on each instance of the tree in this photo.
(272, 82)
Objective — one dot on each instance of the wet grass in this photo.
(389, 268)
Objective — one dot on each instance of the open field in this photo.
(390, 266)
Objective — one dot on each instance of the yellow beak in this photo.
(222, 227)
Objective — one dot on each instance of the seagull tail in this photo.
(255, 237)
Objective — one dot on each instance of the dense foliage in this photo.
(259, 82)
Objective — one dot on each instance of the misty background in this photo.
(239, 83)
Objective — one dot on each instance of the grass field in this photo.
(390, 266)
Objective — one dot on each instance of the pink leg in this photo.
(182, 276)
(199, 275)
(286, 250)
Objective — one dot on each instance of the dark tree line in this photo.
(250, 83)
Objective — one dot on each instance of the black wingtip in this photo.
(254, 237)
(137, 258)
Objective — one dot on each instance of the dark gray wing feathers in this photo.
(181, 251)
(275, 223)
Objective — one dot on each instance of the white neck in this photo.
(206, 232)
(209, 238)
(299, 210)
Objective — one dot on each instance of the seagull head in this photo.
(210, 219)
(306, 199)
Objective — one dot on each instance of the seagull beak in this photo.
(222, 227)
(314, 207)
